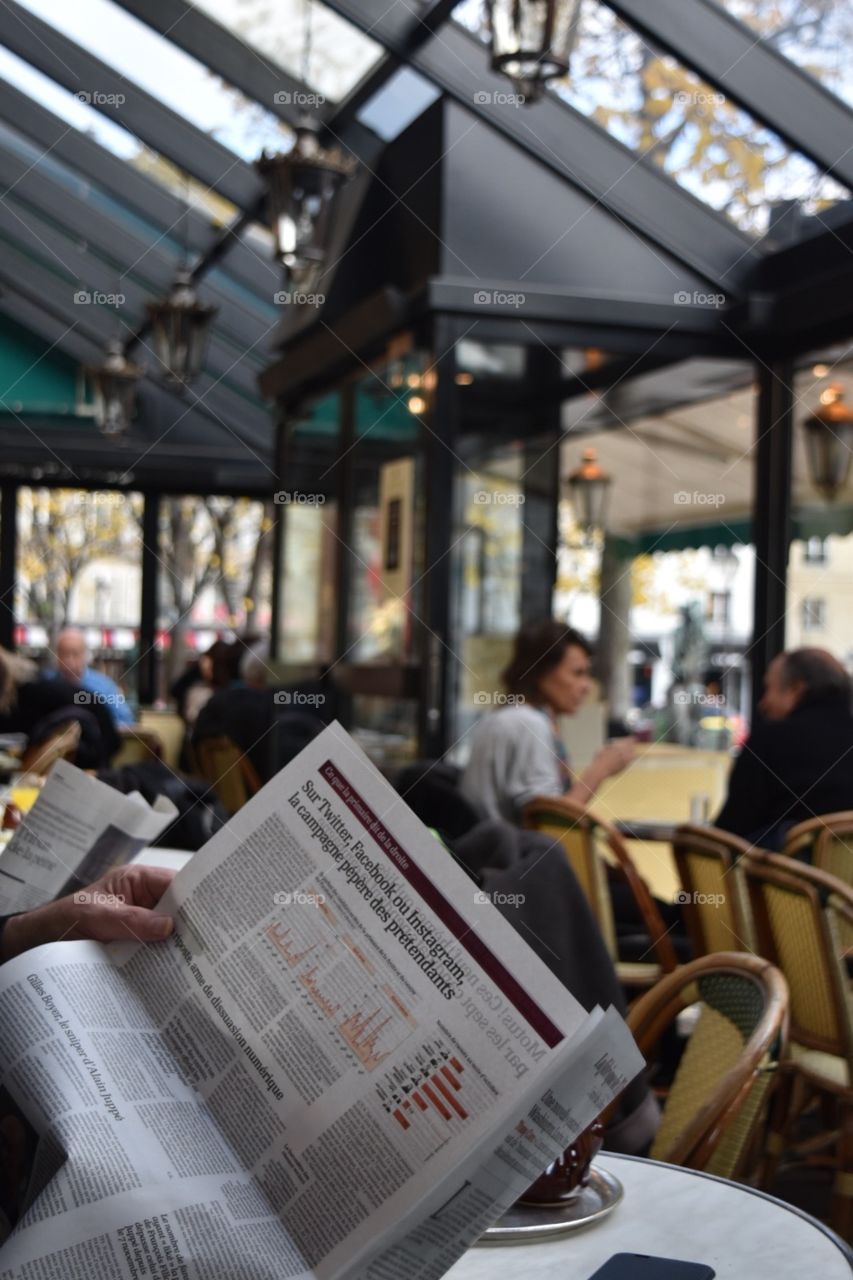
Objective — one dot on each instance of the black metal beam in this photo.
(565, 141)
(132, 187)
(150, 600)
(8, 561)
(422, 27)
(194, 151)
(226, 54)
(755, 75)
(771, 526)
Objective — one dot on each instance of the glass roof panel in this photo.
(816, 35)
(78, 114)
(403, 97)
(670, 117)
(173, 77)
(339, 55)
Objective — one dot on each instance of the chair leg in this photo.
(842, 1188)
(785, 1107)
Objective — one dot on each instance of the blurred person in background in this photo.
(72, 665)
(518, 751)
(798, 761)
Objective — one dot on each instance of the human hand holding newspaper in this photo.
(343, 1064)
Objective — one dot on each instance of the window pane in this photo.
(168, 73)
(340, 55)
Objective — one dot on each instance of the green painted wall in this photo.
(31, 378)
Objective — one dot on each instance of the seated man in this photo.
(798, 760)
(72, 664)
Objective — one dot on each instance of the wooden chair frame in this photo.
(654, 1011)
(728, 850)
(825, 893)
(547, 808)
(814, 834)
(62, 744)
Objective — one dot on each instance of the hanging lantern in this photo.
(829, 440)
(590, 488)
(181, 328)
(114, 387)
(304, 185)
(532, 41)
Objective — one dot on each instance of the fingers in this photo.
(124, 922)
(141, 886)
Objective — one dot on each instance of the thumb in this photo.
(139, 922)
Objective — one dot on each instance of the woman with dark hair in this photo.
(517, 752)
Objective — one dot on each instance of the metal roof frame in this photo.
(584, 154)
(72, 66)
(124, 182)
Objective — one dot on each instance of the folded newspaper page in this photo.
(344, 1063)
(77, 829)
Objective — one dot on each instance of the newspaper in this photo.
(344, 1063)
(77, 829)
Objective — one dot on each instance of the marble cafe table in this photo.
(676, 1213)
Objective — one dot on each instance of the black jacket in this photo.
(788, 771)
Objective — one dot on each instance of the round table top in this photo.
(676, 1213)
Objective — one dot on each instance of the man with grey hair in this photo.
(72, 664)
(798, 761)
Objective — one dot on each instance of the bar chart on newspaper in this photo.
(331, 973)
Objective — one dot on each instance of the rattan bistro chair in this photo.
(717, 1102)
(800, 917)
(825, 842)
(230, 772)
(583, 837)
(713, 899)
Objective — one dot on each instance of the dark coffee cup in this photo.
(566, 1177)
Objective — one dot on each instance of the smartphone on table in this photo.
(642, 1266)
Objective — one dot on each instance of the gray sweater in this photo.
(513, 758)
